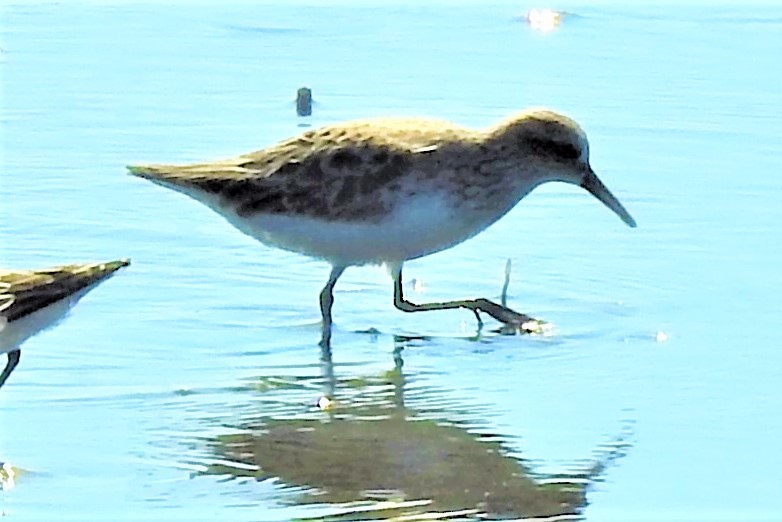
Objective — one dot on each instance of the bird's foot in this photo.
(513, 322)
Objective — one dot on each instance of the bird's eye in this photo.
(556, 149)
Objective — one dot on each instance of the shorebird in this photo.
(385, 191)
(33, 300)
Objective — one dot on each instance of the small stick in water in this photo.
(504, 296)
(304, 101)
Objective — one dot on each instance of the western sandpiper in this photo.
(33, 300)
(385, 191)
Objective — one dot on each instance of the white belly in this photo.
(14, 333)
(421, 226)
(418, 226)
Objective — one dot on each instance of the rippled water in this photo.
(185, 387)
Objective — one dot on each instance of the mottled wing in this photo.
(321, 172)
(6, 301)
(326, 178)
(24, 292)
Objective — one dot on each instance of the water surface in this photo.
(123, 411)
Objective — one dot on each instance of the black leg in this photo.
(13, 360)
(326, 302)
(501, 313)
(327, 372)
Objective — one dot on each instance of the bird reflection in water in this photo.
(360, 449)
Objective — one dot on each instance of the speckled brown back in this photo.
(24, 292)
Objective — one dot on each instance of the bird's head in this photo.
(555, 148)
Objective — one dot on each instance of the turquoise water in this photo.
(665, 363)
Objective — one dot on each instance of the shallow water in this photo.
(661, 384)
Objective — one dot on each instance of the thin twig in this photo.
(504, 296)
